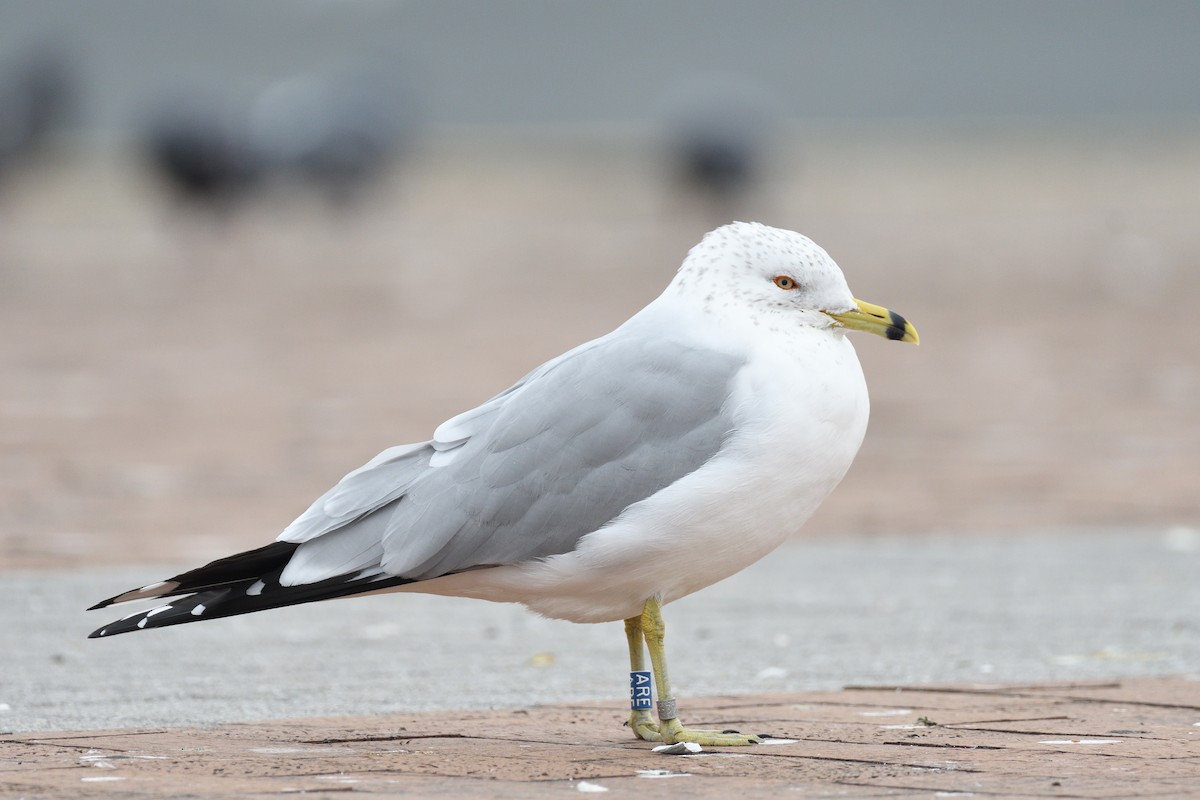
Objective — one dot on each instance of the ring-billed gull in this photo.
(627, 473)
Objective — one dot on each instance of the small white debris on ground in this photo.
(662, 773)
(586, 786)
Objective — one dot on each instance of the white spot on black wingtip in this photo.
(102, 632)
(198, 610)
(256, 588)
(142, 622)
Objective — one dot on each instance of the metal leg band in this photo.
(666, 709)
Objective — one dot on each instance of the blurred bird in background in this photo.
(202, 153)
(333, 132)
(718, 133)
(338, 132)
(37, 94)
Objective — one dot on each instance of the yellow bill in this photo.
(878, 320)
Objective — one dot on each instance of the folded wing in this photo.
(523, 476)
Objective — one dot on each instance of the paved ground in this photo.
(329, 698)
(1128, 739)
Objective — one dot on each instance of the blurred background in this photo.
(245, 246)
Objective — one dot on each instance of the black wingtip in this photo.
(192, 608)
(263, 561)
(106, 603)
(110, 630)
(245, 597)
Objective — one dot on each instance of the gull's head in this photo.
(779, 275)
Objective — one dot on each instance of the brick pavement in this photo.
(1133, 738)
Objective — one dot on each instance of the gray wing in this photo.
(528, 473)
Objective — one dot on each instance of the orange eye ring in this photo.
(784, 282)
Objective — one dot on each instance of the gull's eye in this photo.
(784, 282)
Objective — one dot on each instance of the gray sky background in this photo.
(563, 62)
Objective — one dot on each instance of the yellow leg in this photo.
(640, 721)
(669, 729)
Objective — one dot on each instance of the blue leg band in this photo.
(640, 690)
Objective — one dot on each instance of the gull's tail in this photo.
(238, 584)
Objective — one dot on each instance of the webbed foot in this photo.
(672, 731)
(644, 727)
